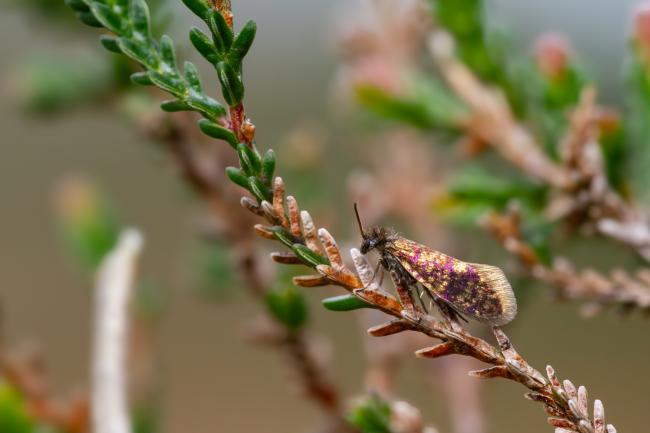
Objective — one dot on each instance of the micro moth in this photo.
(481, 292)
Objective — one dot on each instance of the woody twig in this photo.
(567, 408)
(598, 290)
(178, 135)
(110, 412)
(579, 179)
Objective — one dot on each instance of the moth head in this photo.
(375, 237)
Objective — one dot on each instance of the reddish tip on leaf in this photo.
(310, 281)
(437, 351)
(496, 371)
(389, 328)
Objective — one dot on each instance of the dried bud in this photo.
(552, 54)
(248, 130)
(405, 418)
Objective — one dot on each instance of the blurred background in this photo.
(209, 378)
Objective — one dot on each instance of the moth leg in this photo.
(432, 299)
(421, 291)
(379, 270)
(381, 277)
(404, 293)
(451, 317)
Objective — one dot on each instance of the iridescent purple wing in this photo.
(479, 291)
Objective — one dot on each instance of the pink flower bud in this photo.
(641, 29)
(552, 53)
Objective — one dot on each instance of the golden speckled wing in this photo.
(479, 291)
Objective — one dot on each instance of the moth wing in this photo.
(422, 262)
(476, 290)
(495, 278)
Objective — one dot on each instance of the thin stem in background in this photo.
(115, 282)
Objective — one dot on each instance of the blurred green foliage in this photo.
(288, 306)
(14, 417)
(89, 223)
(146, 417)
(371, 415)
(54, 84)
(482, 49)
(542, 89)
(426, 104)
(550, 100)
(51, 84)
(474, 191)
(636, 121)
(216, 269)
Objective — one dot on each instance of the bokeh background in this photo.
(210, 378)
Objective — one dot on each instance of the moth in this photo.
(481, 292)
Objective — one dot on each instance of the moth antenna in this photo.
(356, 212)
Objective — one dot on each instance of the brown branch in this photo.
(113, 290)
(178, 134)
(24, 371)
(620, 288)
(317, 386)
(579, 180)
(567, 409)
(491, 118)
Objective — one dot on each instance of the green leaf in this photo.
(345, 302)
(139, 13)
(78, 5)
(259, 190)
(174, 106)
(139, 52)
(231, 84)
(167, 51)
(308, 256)
(283, 236)
(288, 306)
(192, 76)
(88, 18)
(169, 83)
(108, 18)
(221, 32)
(110, 43)
(250, 160)
(141, 78)
(268, 166)
(242, 44)
(237, 177)
(204, 46)
(219, 132)
(210, 108)
(201, 8)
